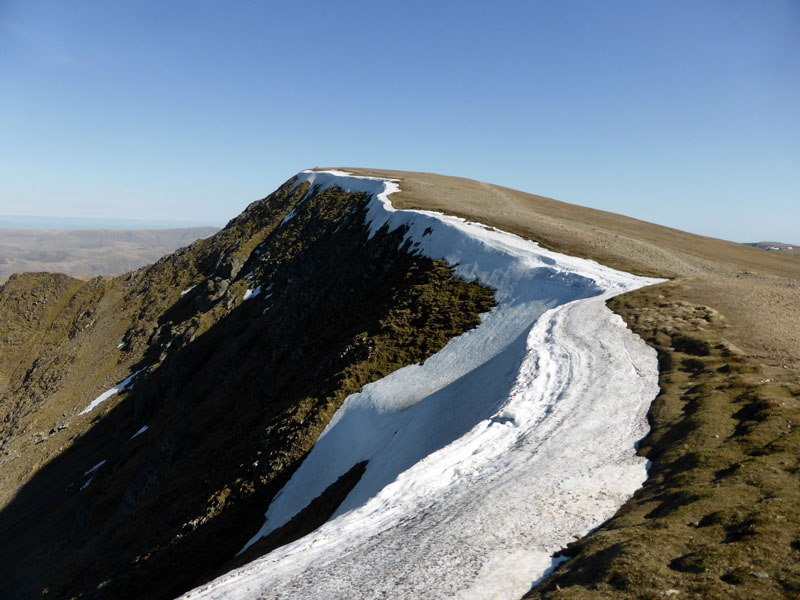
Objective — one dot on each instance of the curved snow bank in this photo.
(496, 452)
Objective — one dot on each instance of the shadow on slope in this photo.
(389, 444)
(231, 408)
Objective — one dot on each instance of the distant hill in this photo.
(75, 223)
(90, 252)
(793, 249)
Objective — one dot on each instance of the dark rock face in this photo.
(234, 391)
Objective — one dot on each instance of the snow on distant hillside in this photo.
(496, 452)
(776, 247)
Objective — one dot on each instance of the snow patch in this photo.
(140, 432)
(94, 468)
(125, 383)
(252, 293)
(489, 457)
(91, 472)
(291, 215)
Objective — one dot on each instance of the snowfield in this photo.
(495, 453)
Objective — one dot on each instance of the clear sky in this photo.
(684, 113)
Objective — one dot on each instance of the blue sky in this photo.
(683, 113)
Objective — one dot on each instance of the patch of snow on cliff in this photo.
(94, 468)
(252, 293)
(140, 432)
(125, 383)
(91, 472)
(487, 458)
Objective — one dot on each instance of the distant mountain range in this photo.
(90, 252)
(72, 223)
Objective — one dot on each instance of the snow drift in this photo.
(482, 462)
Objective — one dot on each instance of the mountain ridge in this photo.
(706, 342)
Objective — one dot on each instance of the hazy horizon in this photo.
(57, 223)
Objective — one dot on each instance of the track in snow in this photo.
(495, 453)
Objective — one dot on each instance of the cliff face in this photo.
(243, 345)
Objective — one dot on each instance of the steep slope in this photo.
(244, 344)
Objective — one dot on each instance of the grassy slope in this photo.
(720, 514)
